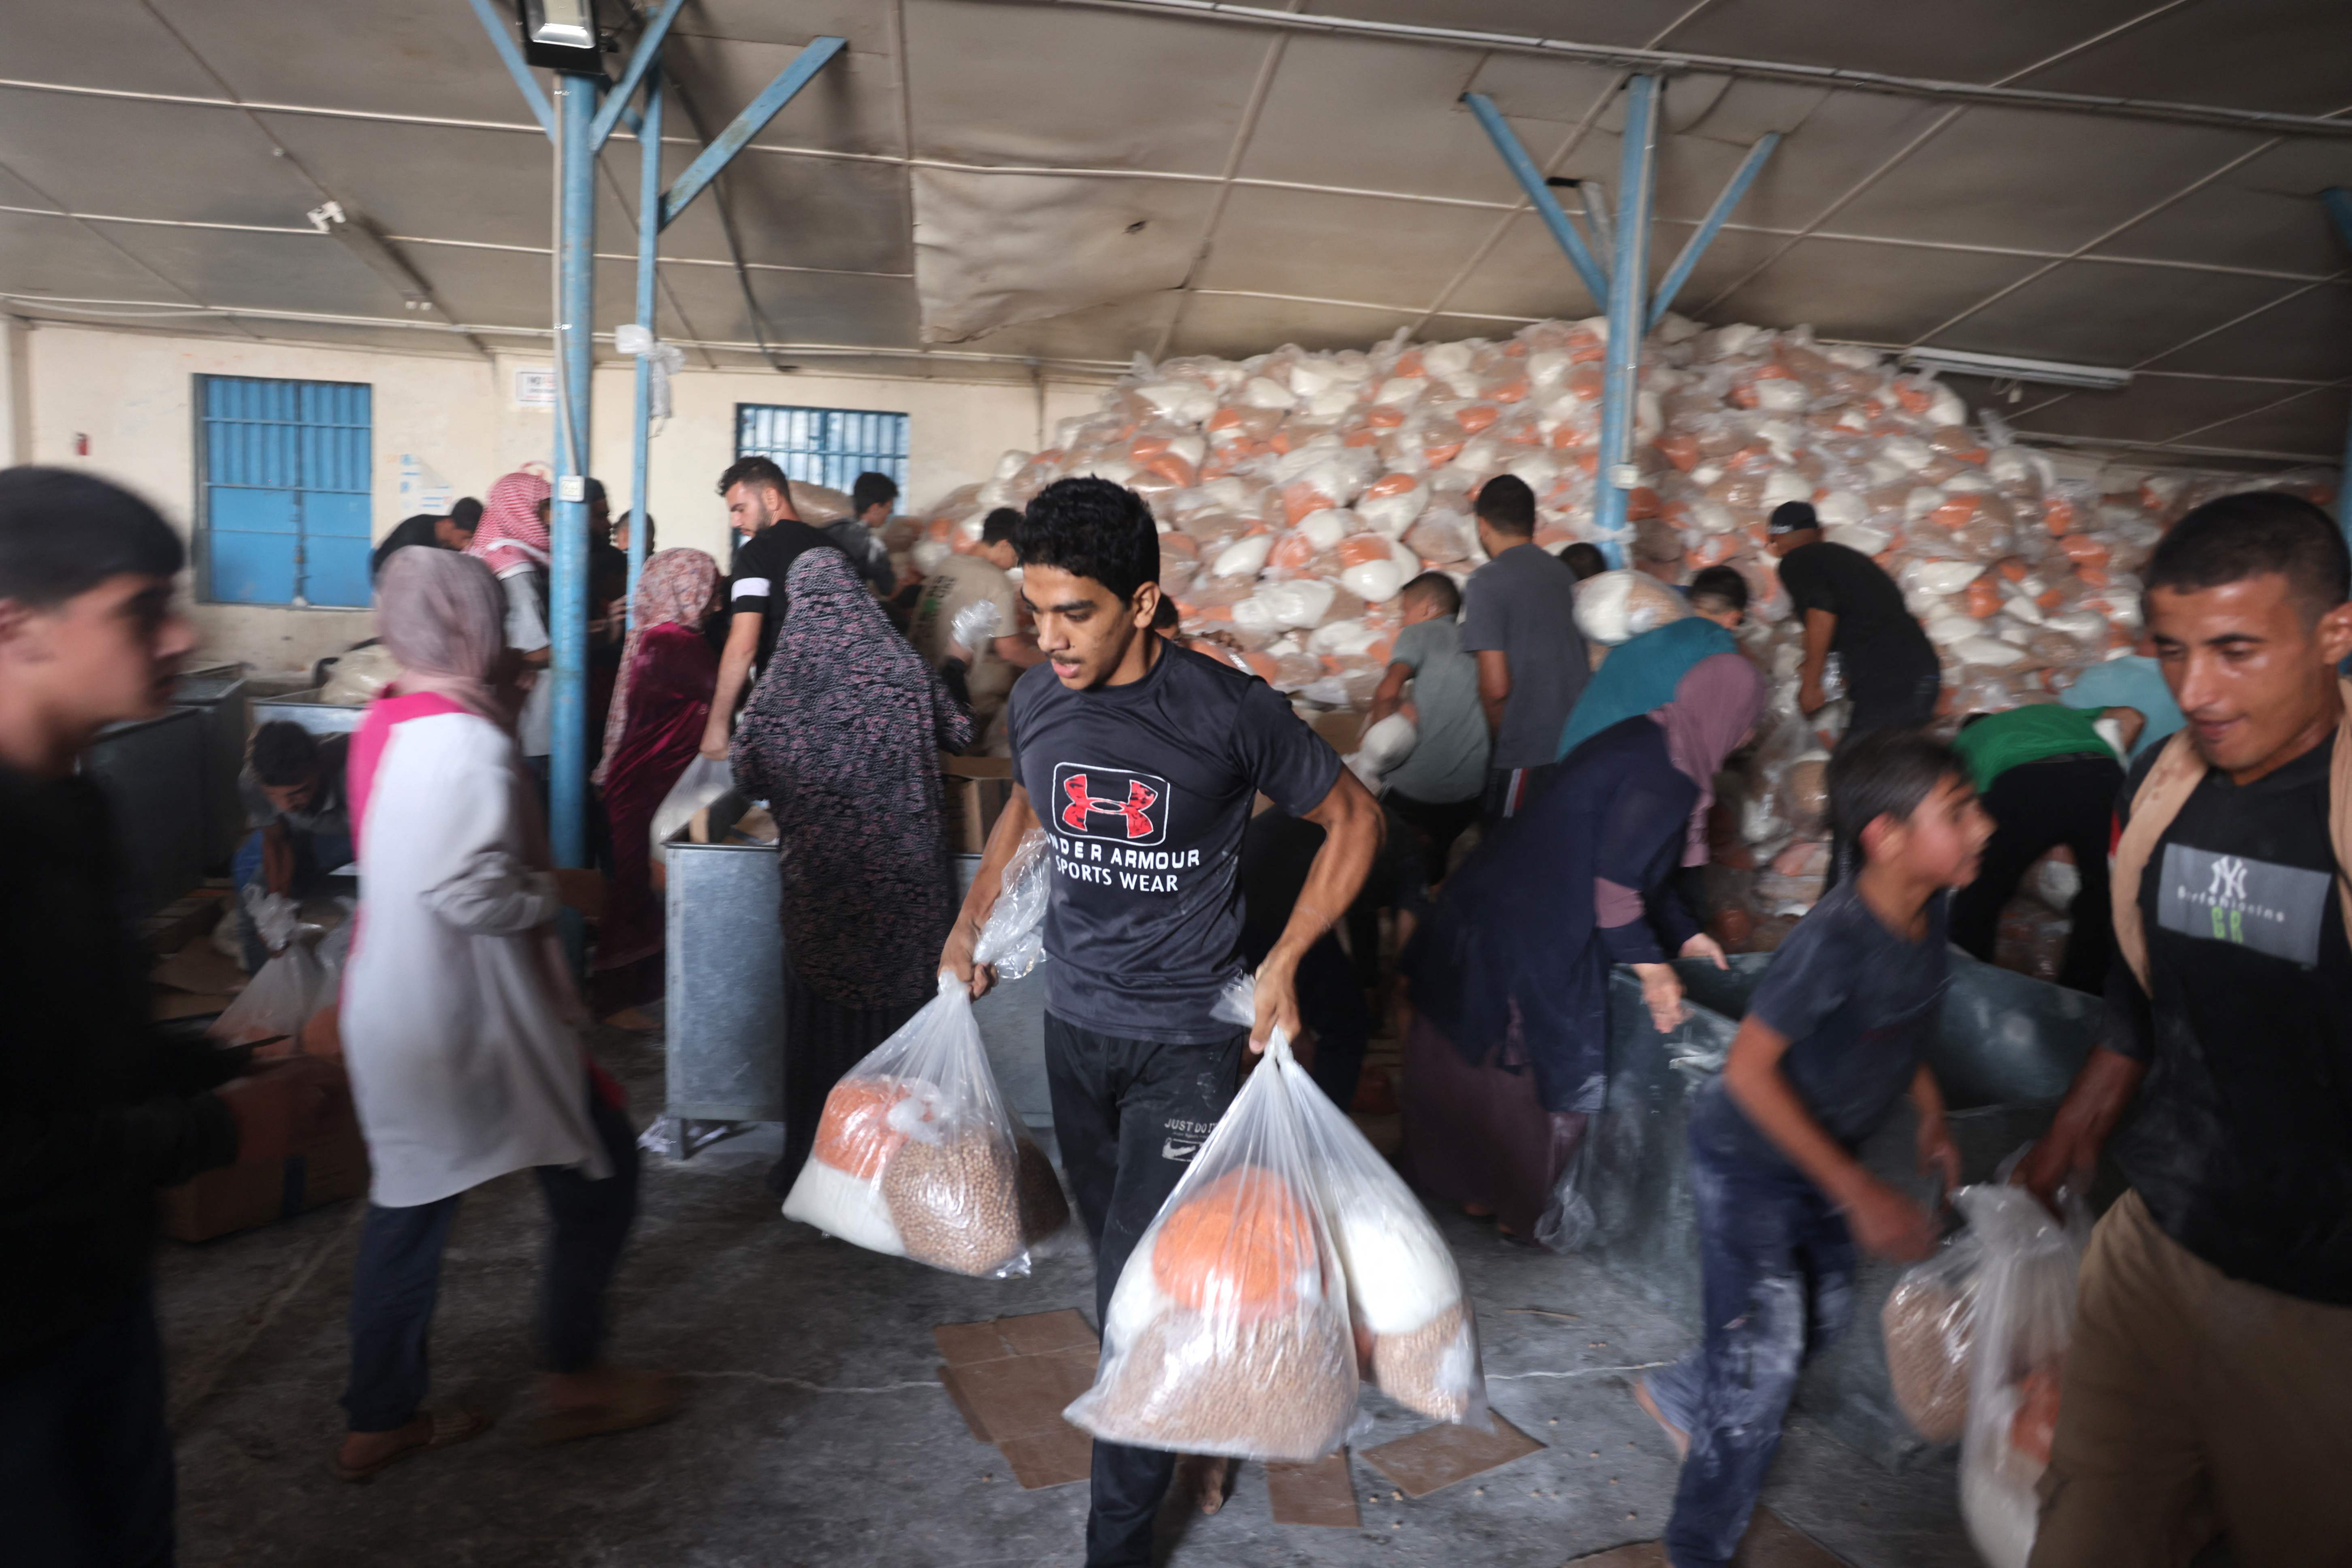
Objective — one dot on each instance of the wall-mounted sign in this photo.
(534, 386)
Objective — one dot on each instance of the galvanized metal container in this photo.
(304, 708)
(723, 1012)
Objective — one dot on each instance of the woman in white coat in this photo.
(460, 1027)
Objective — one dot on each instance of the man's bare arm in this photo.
(1391, 695)
(1013, 825)
(1820, 627)
(1494, 685)
(1352, 827)
(734, 669)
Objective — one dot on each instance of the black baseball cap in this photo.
(1793, 517)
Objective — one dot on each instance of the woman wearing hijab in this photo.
(661, 700)
(841, 741)
(460, 1029)
(1510, 1049)
(513, 542)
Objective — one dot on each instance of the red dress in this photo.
(670, 687)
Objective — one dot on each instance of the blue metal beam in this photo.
(1627, 274)
(648, 253)
(567, 613)
(1531, 180)
(648, 53)
(2339, 207)
(502, 39)
(748, 124)
(1712, 225)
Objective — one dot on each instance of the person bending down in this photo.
(1141, 759)
(292, 788)
(1835, 1035)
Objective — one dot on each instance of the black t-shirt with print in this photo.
(755, 585)
(1146, 789)
(2241, 1143)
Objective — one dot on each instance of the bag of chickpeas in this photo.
(916, 1155)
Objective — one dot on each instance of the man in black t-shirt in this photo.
(1855, 610)
(759, 507)
(2211, 1362)
(1141, 761)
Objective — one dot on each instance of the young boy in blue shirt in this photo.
(1835, 1035)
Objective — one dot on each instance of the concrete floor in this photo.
(817, 1431)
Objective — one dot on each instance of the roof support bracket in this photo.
(501, 32)
(1531, 180)
(1712, 225)
(1629, 271)
(746, 125)
(647, 57)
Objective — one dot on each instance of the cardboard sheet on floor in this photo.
(1770, 1543)
(1434, 1459)
(1012, 1378)
(1321, 1492)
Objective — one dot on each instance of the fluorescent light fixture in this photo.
(561, 35)
(2008, 367)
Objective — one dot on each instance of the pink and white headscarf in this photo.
(512, 534)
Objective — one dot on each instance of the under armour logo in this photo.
(1135, 808)
(2229, 878)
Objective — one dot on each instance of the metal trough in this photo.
(2007, 1047)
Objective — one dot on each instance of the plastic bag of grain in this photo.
(2025, 1315)
(916, 1155)
(1929, 1323)
(1613, 606)
(1228, 1331)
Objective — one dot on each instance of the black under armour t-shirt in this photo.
(1146, 789)
(2238, 1143)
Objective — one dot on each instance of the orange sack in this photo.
(856, 1135)
(1243, 1245)
(1984, 599)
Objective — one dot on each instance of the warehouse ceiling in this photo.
(980, 189)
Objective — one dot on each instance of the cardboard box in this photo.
(326, 1169)
(977, 789)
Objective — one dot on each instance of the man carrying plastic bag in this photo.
(2211, 1362)
(916, 1155)
(1141, 761)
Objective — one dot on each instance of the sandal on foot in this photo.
(642, 1399)
(444, 1429)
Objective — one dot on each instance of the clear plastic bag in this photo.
(1414, 1322)
(704, 781)
(2025, 1315)
(1229, 1331)
(1929, 1324)
(917, 1155)
(283, 993)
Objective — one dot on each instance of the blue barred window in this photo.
(283, 491)
(828, 447)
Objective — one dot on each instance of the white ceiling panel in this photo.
(850, 106)
(2302, 336)
(1621, 22)
(2286, 56)
(1955, 40)
(1045, 85)
(239, 266)
(809, 212)
(2312, 423)
(1524, 275)
(2000, 176)
(420, 56)
(1865, 291)
(2152, 408)
(2258, 214)
(2143, 310)
(100, 43)
(132, 159)
(1340, 247)
(992, 250)
(59, 256)
(438, 181)
(864, 23)
(1111, 333)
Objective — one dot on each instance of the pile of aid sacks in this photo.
(1297, 492)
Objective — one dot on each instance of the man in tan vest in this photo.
(2208, 1385)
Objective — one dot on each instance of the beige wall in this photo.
(130, 394)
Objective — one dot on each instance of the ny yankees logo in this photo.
(1134, 809)
(2229, 878)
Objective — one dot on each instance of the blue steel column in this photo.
(1628, 272)
(2339, 207)
(568, 585)
(648, 249)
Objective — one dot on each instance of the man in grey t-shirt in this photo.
(1435, 791)
(1520, 622)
